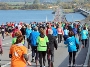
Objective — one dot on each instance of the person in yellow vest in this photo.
(42, 44)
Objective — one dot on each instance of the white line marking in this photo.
(6, 64)
(7, 43)
(3, 44)
(10, 62)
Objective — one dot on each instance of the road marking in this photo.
(6, 64)
(7, 43)
(10, 62)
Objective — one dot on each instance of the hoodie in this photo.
(71, 43)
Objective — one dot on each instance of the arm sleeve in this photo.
(47, 39)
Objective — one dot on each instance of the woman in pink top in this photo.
(60, 34)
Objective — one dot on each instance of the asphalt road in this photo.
(60, 55)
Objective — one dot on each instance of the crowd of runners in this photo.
(41, 39)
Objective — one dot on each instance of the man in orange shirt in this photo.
(18, 54)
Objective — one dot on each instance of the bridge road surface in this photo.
(60, 55)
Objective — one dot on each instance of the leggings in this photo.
(84, 42)
(59, 38)
(42, 54)
(72, 57)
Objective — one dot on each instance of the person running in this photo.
(60, 34)
(66, 31)
(18, 54)
(74, 29)
(72, 43)
(15, 37)
(2, 30)
(1, 50)
(55, 32)
(28, 31)
(42, 44)
(32, 40)
(23, 29)
(84, 36)
(48, 28)
(50, 51)
(15, 30)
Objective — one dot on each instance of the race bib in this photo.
(41, 39)
(2, 29)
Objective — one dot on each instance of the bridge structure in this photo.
(58, 17)
(61, 57)
(85, 12)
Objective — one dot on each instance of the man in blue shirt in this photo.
(32, 40)
(55, 32)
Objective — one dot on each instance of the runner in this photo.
(28, 31)
(18, 54)
(32, 40)
(42, 42)
(15, 30)
(55, 32)
(48, 28)
(3, 30)
(72, 43)
(52, 44)
(17, 34)
(1, 50)
(66, 31)
(60, 34)
(84, 36)
(23, 31)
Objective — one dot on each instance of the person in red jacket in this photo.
(48, 28)
(15, 30)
